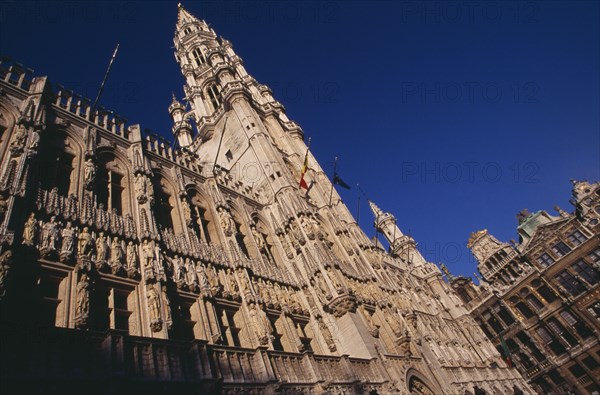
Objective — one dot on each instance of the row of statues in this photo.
(54, 238)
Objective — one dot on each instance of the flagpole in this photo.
(306, 156)
(304, 169)
(358, 206)
(219, 147)
(105, 77)
(332, 181)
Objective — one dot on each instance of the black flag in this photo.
(337, 180)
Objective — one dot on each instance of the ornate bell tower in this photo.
(240, 126)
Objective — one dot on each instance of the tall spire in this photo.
(376, 210)
(184, 17)
(400, 245)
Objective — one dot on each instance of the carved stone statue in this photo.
(154, 308)
(89, 172)
(286, 246)
(131, 258)
(116, 255)
(213, 280)
(82, 309)
(226, 221)
(393, 323)
(18, 143)
(101, 248)
(326, 334)
(68, 242)
(85, 246)
(296, 232)
(233, 285)
(167, 305)
(29, 230)
(333, 277)
(307, 226)
(5, 266)
(149, 189)
(178, 271)
(147, 256)
(191, 278)
(187, 212)
(140, 188)
(258, 238)
(322, 285)
(49, 235)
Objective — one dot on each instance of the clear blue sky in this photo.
(452, 115)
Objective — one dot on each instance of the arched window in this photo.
(111, 184)
(200, 217)
(164, 209)
(166, 206)
(198, 56)
(524, 309)
(56, 163)
(214, 96)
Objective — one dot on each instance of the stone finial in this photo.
(377, 212)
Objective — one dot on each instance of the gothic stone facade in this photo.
(541, 295)
(127, 265)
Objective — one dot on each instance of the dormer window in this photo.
(187, 31)
(198, 57)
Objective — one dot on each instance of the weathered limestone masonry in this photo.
(130, 266)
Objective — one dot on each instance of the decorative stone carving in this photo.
(226, 221)
(179, 270)
(70, 211)
(326, 333)
(140, 188)
(307, 226)
(82, 308)
(149, 189)
(116, 255)
(334, 278)
(154, 309)
(319, 282)
(148, 259)
(5, 269)
(187, 211)
(68, 243)
(342, 305)
(49, 237)
(191, 278)
(295, 231)
(85, 247)
(101, 251)
(262, 325)
(286, 246)
(233, 285)
(89, 173)
(18, 143)
(131, 257)
(166, 302)
(213, 279)
(29, 230)
(202, 278)
(393, 323)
